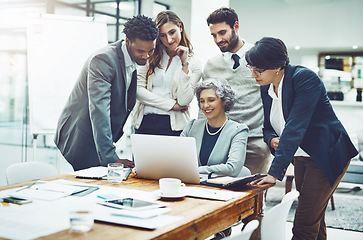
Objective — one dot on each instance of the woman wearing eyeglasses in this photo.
(300, 126)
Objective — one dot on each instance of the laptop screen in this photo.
(158, 156)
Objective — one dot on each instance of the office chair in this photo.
(273, 223)
(244, 172)
(20, 172)
(246, 233)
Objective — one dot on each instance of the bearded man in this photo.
(230, 64)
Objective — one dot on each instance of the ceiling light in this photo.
(297, 47)
(355, 47)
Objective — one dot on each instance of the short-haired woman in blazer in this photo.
(300, 126)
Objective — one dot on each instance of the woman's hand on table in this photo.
(263, 180)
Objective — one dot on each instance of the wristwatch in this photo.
(185, 63)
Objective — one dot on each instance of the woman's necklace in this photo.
(206, 127)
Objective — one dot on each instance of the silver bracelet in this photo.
(185, 63)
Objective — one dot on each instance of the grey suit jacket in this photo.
(228, 155)
(96, 110)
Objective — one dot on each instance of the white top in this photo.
(181, 90)
(276, 115)
(129, 65)
(241, 53)
(162, 82)
(248, 107)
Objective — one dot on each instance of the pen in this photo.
(50, 190)
(98, 178)
(26, 187)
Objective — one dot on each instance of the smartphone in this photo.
(131, 204)
(16, 200)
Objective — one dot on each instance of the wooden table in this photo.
(201, 217)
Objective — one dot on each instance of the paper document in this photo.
(33, 221)
(222, 195)
(93, 172)
(152, 219)
(118, 192)
(44, 190)
(98, 173)
(149, 213)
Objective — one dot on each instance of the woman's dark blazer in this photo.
(310, 124)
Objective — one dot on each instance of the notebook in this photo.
(232, 183)
(158, 157)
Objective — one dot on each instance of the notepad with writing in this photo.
(232, 183)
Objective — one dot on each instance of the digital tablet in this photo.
(131, 204)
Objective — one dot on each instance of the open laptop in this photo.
(165, 156)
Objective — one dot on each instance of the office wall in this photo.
(200, 35)
(310, 24)
(314, 25)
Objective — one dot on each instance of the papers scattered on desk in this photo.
(43, 190)
(222, 195)
(149, 213)
(148, 219)
(33, 221)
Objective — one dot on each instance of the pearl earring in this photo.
(277, 73)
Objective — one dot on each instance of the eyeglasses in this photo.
(258, 72)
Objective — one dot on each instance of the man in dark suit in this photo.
(103, 98)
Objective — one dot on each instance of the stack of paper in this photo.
(149, 219)
(99, 172)
(33, 221)
(222, 195)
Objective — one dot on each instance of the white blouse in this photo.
(162, 82)
(277, 116)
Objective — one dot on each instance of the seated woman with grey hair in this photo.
(221, 143)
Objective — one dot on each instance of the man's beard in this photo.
(232, 43)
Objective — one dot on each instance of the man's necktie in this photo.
(236, 61)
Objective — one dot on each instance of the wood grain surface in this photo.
(201, 217)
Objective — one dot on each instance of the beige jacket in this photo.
(182, 91)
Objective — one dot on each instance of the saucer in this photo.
(179, 195)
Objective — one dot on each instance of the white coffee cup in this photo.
(170, 186)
